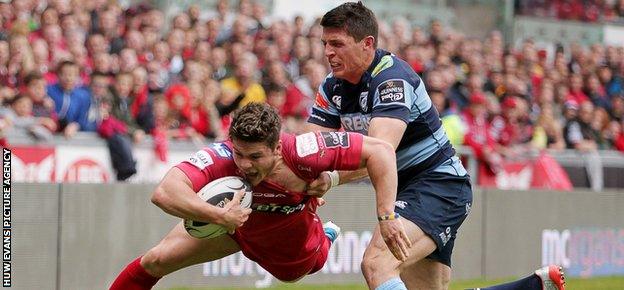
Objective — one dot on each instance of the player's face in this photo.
(255, 159)
(347, 57)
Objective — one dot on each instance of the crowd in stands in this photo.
(577, 10)
(69, 66)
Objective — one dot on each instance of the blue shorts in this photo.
(438, 203)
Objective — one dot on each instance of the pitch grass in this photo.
(602, 283)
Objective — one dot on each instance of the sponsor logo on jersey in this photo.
(321, 102)
(364, 101)
(304, 168)
(335, 139)
(337, 100)
(222, 150)
(355, 123)
(277, 208)
(391, 92)
(306, 144)
(201, 159)
(268, 194)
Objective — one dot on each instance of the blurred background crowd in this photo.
(579, 10)
(130, 72)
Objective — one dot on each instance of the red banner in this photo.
(33, 164)
(541, 173)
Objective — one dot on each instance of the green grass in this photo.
(602, 283)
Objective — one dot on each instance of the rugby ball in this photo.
(218, 193)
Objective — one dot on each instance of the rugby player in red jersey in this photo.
(281, 231)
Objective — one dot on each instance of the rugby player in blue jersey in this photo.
(373, 92)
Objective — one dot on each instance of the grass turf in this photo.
(601, 283)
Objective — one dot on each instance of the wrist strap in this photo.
(335, 177)
(388, 217)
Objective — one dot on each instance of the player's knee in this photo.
(372, 263)
(153, 264)
(367, 268)
(445, 280)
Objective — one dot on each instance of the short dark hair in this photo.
(256, 122)
(274, 88)
(355, 18)
(31, 77)
(65, 63)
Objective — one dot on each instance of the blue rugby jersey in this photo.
(389, 88)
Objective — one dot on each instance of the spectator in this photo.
(119, 146)
(224, 15)
(128, 60)
(218, 60)
(102, 63)
(42, 104)
(177, 119)
(613, 84)
(100, 88)
(596, 92)
(276, 97)
(142, 103)
(516, 129)
(204, 117)
(309, 82)
(451, 121)
(548, 133)
(22, 61)
(175, 41)
(71, 101)
(96, 44)
(579, 133)
(276, 74)
(243, 82)
(123, 105)
(600, 123)
(107, 26)
(617, 107)
(41, 55)
(5, 57)
(478, 134)
(22, 119)
(202, 52)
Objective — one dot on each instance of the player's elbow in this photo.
(384, 147)
(160, 197)
(377, 149)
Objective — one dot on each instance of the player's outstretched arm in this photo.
(379, 159)
(175, 196)
(323, 183)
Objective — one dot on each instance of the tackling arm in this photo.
(387, 129)
(345, 176)
(379, 161)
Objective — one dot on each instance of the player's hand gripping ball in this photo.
(218, 193)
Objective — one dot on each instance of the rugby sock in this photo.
(134, 277)
(392, 284)
(332, 231)
(532, 282)
(331, 234)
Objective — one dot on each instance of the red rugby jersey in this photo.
(283, 233)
